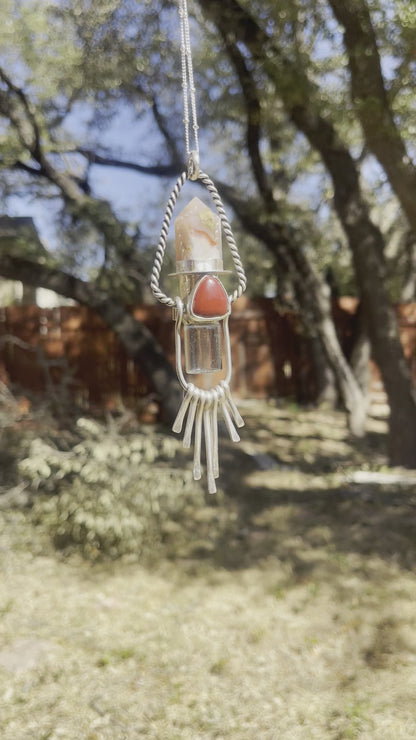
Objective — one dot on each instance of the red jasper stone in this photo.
(210, 299)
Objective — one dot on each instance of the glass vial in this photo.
(203, 348)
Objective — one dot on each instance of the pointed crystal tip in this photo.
(197, 233)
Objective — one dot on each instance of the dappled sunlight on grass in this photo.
(282, 608)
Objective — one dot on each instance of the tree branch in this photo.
(30, 134)
(372, 103)
(162, 170)
(15, 106)
(253, 113)
(171, 142)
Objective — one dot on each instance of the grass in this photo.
(283, 609)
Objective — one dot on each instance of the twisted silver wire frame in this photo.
(242, 280)
(161, 247)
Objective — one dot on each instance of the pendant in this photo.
(201, 312)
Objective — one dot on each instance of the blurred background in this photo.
(132, 603)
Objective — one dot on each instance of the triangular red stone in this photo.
(210, 298)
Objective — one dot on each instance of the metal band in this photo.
(185, 267)
(193, 165)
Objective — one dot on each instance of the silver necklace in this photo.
(188, 85)
(202, 309)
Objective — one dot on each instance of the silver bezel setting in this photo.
(191, 316)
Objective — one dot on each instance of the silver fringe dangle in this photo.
(204, 405)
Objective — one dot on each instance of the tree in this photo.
(371, 102)
(264, 218)
(257, 92)
(34, 154)
(24, 116)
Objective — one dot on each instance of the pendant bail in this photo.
(193, 165)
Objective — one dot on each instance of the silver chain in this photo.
(188, 84)
(192, 173)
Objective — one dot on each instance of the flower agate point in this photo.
(198, 233)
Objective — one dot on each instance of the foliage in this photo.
(91, 69)
(299, 615)
(110, 494)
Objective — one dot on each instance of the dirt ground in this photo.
(284, 609)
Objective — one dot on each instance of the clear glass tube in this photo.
(203, 348)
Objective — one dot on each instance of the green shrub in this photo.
(110, 494)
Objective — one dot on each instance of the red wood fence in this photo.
(70, 350)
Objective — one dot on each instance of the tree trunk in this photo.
(348, 387)
(360, 359)
(315, 293)
(136, 339)
(361, 355)
(366, 243)
(372, 104)
(313, 296)
(408, 292)
(291, 258)
(29, 295)
(326, 387)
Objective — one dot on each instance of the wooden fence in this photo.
(70, 351)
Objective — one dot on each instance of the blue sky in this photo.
(131, 194)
